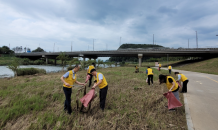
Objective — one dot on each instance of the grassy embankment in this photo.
(6, 60)
(36, 102)
(208, 66)
(152, 64)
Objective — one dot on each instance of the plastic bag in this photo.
(147, 80)
(172, 101)
(158, 68)
(87, 78)
(178, 84)
(88, 97)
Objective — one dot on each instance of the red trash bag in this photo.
(88, 98)
(172, 101)
(158, 69)
(178, 84)
(87, 78)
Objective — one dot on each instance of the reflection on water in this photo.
(5, 72)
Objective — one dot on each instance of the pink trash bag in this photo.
(178, 84)
(87, 78)
(172, 101)
(88, 98)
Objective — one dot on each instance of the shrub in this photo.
(29, 71)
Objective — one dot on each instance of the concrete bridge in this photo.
(184, 52)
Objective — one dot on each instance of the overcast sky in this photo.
(34, 23)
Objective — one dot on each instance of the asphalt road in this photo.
(202, 98)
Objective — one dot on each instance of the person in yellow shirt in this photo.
(68, 80)
(171, 85)
(92, 66)
(103, 86)
(169, 68)
(149, 72)
(136, 69)
(184, 80)
(159, 66)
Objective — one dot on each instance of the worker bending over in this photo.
(92, 66)
(184, 80)
(159, 66)
(136, 69)
(103, 86)
(171, 85)
(69, 79)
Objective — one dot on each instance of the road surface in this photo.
(202, 99)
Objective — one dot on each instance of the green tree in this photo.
(5, 50)
(99, 61)
(63, 59)
(38, 50)
(14, 66)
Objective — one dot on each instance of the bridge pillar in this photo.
(55, 62)
(46, 60)
(140, 59)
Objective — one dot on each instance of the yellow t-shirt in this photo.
(170, 67)
(159, 65)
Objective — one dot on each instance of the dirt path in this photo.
(202, 98)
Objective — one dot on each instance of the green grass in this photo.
(36, 102)
(208, 66)
(152, 64)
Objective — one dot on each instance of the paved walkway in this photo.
(202, 99)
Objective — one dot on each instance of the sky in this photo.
(43, 23)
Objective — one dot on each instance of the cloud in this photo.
(173, 22)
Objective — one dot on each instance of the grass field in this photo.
(36, 102)
(208, 66)
(152, 64)
(6, 60)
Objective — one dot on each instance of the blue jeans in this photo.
(67, 103)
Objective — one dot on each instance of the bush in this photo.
(39, 62)
(122, 63)
(29, 71)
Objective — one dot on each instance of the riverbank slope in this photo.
(36, 102)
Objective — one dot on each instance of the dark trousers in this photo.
(150, 78)
(90, 80)
(67, 103)
(184, 86)
(103, 95)
(159, 68)
(170, 71)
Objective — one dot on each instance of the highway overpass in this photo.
(185, 52)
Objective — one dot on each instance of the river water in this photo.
(5, 72)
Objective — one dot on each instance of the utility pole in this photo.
(153, 39)
(88, 47)
(120, 41)
(197, 39)
(93, 44)
(188, 43)
(54, 48)
(9, 45)
(71, 46)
